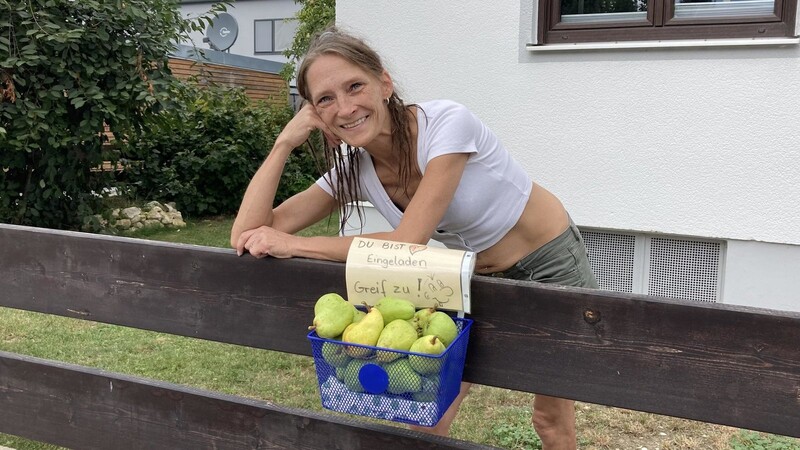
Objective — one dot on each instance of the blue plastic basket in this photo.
(388, 384)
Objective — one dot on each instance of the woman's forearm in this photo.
(333, 248)
(256, 207)
(329, 248)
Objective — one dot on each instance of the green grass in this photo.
(490, 416)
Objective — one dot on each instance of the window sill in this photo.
(662, 44)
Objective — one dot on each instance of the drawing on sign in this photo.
(436, 291)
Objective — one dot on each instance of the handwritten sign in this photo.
(426, 276)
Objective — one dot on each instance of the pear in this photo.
(442, 325)
(420, 319)
(429, 391)
(399, 334)
(428, 345)
(402, 378)
(364, 332)
(349, 375)
(332, 314)
(394, 308)
(335, 354)
(358, 314)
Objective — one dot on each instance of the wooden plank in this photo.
(79, 407)
(715, 363)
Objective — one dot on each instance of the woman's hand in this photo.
(296, 132)
(265, 241)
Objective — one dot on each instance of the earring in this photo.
(386, 100)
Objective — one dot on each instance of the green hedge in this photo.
(67, 68)
(202, 153)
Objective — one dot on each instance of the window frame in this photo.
(255, 35)
(660, 24)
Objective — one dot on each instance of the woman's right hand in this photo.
(297, 131)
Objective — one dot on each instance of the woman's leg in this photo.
(442, 428)
(562, 261)
(554, 422)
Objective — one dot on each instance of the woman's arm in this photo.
(256, 207)
(423, 214)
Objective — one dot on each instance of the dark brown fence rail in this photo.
(710, 362)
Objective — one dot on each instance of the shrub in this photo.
(66, 69)
(202, 153)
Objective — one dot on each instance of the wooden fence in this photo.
(258, 85)
(715, 363)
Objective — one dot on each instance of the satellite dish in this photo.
(222, 33)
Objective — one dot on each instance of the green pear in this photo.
(335, 354)
(364, 332)
(427, 345)
(442, 325)
(358, 314)
(429, 391)
(420, 320)
(332, 314)
(397, 335)
(394, 308)
(349, 375)
(402, 378)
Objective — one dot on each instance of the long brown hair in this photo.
(333, 41)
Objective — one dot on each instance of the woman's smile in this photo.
(351, 125)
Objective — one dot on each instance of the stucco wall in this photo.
(693, 141)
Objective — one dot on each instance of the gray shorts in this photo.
(563, 261)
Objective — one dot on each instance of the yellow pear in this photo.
(364, 332)
(443, 326)
(397, 335)
(332, 314)
(427, 345)
(394, 308)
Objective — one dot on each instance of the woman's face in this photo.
(349, 99)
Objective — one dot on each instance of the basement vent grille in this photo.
(684, 269)
(656, 265)
(612, 259)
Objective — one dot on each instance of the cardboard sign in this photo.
(426, 276)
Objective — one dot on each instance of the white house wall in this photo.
(699, 141)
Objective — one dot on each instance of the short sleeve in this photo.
(452, 129)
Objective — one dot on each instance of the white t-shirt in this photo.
(493, 190)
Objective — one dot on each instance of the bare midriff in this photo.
(543, 219)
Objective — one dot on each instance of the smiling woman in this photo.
(432, 170)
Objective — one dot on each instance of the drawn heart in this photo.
(416, 248)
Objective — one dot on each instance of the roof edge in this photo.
(213, 56)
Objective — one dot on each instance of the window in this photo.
(573, 21)
(274, 35)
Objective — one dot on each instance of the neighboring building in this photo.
(670, 135)
(265, 27)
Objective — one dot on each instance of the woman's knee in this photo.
(553, 413)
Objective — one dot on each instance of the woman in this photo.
(433, 170)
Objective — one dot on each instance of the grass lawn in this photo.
(489, 415)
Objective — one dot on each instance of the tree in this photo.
(67, 69)
(314, 16)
